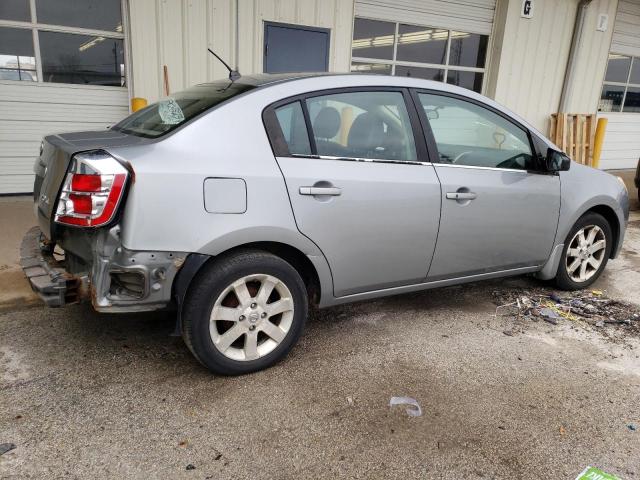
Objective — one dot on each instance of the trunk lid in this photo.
(52, 165)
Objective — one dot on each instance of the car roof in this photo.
(259, 81)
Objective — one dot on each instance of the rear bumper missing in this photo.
(116, 279)
(47, 276)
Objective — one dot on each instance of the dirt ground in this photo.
(113, 396)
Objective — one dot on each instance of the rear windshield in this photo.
(168, 114)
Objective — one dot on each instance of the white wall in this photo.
(529, 58)
(176, 33)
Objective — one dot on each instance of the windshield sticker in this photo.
(170, 112)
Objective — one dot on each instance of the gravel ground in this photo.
(112, 396)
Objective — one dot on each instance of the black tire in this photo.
(211, 282)
(563, 279)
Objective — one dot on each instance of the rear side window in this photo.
(368, 124)
(168, 114)
(291, 120)
(468, 134)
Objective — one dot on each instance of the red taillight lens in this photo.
(81, 182)
(92, 190)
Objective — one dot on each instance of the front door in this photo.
(498, 213)
(361, 187)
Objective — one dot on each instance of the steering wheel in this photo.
(511, 162)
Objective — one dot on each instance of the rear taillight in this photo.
(92, 190)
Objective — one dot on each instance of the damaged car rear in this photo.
(240, 203)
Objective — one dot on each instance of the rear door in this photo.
(499, 211)
(360, 183)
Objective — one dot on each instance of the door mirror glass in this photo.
(557, 161)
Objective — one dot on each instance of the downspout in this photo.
(583, 5)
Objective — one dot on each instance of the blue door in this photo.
(293, 48)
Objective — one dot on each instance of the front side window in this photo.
(430, 53)
(468, 134)
(621, 88)
(372, 125)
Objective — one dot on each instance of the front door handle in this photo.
(461, 196)
(334, 191)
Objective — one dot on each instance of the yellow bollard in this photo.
(597, 143)
(138, 103)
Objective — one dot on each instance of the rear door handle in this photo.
(334, 191)
(461, 196)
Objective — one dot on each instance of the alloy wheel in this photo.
(251, 317)
(585, 253)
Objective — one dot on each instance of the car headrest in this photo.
(326, 123)
(367, 132)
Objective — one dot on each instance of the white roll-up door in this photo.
(473, 16)
(626, 31)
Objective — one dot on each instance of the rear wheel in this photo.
(245, 312)
(586, 251)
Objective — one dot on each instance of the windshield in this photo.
(168, 114)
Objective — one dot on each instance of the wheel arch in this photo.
(295, 257)
(612, 219)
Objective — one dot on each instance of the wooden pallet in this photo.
(574, 133)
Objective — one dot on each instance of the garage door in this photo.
(438, 40)
(62, 68)
(620, 99)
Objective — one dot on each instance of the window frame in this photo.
(35, 27)
(625, 85)
(281, 149)
(393, 62)
(433, 146)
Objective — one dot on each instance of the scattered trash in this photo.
(191, 466)
(562, 430)
(632, 427)
(413, 410)
(593, 473)
(592, 307)
(6, 447)
(549, 315)
(350, 401)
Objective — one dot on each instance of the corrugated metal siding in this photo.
(529, 69)
(29, 111)
(621, 148)
(591, 62)
(626, 35)
(176, 33)
(475, 16)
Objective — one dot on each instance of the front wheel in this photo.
(245, 312)
(586, 251)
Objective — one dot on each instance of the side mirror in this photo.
(557, 161)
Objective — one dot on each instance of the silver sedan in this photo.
(242, 202)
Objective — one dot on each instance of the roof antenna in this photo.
(233, 74)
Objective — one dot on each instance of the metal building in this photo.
(70, 65)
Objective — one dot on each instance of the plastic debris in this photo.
(593, 473)
(413, 409)
(592, 307)
(632, 427)
(6, 447)
(350, 401)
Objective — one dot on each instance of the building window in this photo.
(437, 54)
(621, 89)
(80, 42)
